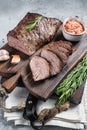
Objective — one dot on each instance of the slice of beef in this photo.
(55, 63)
(40, 68)
(65, 44)
(30, 41)
(59, 48)
(53, 47)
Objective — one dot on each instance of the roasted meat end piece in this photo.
(29, 42)
(55, 63)
(40, 68)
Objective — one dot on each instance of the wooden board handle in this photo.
(11, 83)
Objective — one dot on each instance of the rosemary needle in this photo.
(34, 23)
(72, 82)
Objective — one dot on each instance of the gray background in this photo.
(12, 11)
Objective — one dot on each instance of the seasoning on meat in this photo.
(30, 41)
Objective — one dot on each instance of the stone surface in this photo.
(12, 11)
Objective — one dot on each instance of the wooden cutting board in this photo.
(42, 89)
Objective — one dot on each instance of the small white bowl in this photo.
(73, 37)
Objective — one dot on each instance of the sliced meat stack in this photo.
(30, 41)
(65, 44)
(61, 52)
(55, 63)
(51, 60)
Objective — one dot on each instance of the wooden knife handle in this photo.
(11, 83)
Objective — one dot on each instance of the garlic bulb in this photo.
(4, 55)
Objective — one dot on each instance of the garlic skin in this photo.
(4, 52)
(4, 55)
(15, 59)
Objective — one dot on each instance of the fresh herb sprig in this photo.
(34, 23)
(72, 82)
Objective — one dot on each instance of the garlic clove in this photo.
(15, 59)
(3, 52)
(4, 57)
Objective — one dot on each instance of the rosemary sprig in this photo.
(72, 82)
(34, 23)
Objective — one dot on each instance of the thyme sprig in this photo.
(72, 82)
(34, 23)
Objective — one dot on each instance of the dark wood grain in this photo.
(45, 88)
(42, 89)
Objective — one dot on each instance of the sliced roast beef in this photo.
(66, 45)
(40, 68)
(53, 47)
(55, 63)
(30, 41)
